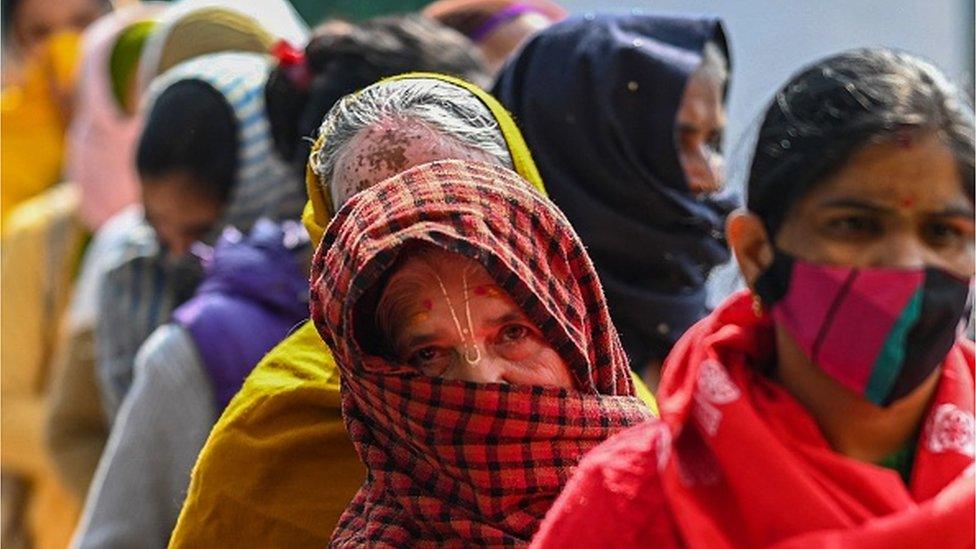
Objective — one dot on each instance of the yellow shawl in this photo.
(278, 468)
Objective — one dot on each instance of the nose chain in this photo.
(472, 354)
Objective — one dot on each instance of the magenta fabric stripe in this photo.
(861, 315)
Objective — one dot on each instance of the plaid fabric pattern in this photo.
(453, 462)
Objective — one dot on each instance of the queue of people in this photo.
(441, 279)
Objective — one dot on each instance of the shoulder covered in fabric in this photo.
(301, 358)
(280, 441)
(615, 498)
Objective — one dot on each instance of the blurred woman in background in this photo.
(254, 289)
(178, 37)
(625, 115)
(205, 162)
(497, 27)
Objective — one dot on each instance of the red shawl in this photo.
(735, 461)
(451, 462)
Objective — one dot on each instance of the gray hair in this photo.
(445, 108)
(714, 59)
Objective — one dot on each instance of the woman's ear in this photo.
(750, 243)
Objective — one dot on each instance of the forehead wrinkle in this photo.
(418, 273)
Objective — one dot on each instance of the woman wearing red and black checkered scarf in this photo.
(469, 402)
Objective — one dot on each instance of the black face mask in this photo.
(878, 331)
(186, 272)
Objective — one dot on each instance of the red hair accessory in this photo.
(293, 64)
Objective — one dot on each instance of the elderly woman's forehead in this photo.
(391, 146)
(416, 257)
(393, 129)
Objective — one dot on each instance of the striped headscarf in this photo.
(141, 292)
(452, 461)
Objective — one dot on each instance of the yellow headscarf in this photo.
(278, 468)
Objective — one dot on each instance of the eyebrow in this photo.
(417, 340)
(861, 204)
(955, 211)
(683, 126)
(505, 318)
(854, 203)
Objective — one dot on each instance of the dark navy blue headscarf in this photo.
(596, 98)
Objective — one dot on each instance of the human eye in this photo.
(431, 359)
(423, 356)
(854, 226)
(943, 234)
(514, 333)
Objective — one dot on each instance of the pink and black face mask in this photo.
(878, 331)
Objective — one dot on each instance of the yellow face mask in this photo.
(319, 208)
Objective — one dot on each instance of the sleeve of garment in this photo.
(164, 420)
(614, 499)
(75, 428)
(106, 249)
(114, 351)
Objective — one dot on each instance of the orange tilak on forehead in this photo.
(490, 290)
(422, 316)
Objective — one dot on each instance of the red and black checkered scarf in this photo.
(453, 462)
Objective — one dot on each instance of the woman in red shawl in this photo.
(831, 405)
(477, 356)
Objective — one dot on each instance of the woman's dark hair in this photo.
(834, 108)
(191, 128)
(345, 57)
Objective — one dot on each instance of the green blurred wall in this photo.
(314, 11)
